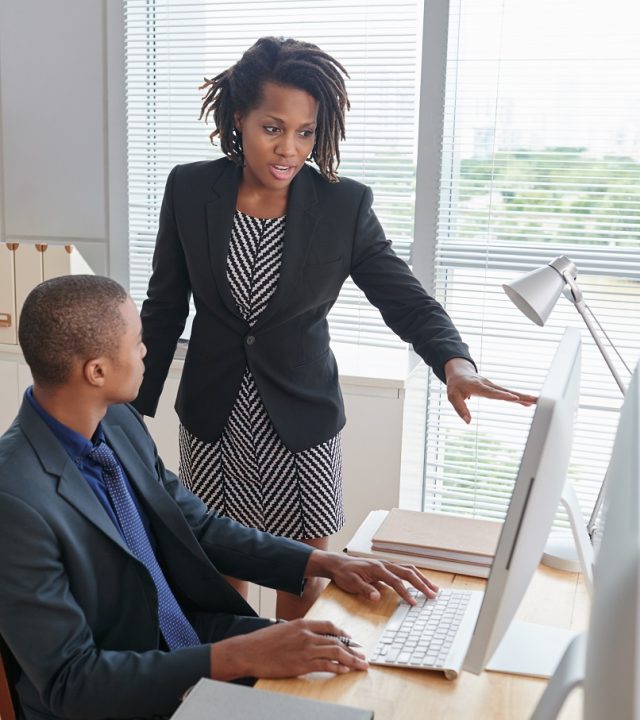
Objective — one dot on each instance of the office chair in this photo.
(9, 672)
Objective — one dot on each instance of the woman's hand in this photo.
(463, 381)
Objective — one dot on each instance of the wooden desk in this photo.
(554, 598)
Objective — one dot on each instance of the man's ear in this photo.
(94, 371)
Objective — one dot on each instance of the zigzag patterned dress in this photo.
(248, 474)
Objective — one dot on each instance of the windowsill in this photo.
(366, 365)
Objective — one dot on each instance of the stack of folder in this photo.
(429, 540)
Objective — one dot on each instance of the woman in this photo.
(264, 242)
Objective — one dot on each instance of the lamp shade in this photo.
(536, 293)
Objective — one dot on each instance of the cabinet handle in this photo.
(5, 320)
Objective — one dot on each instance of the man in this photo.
(112, 598)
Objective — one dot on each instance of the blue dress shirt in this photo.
(78, 449)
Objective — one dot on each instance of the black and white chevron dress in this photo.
(248, 474)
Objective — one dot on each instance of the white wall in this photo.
(63, 127)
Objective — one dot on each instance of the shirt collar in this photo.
(75, 444)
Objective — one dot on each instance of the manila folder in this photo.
(438, 535)
(211, 700)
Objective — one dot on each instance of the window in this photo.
(540, 157)
(171, 45)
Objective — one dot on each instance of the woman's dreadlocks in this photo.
(285, 62)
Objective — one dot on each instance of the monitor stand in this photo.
(574, 553)
(531, 649)
(536, 650)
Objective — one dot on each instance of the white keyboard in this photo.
(432, 635)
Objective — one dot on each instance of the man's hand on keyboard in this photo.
(366, 577)
(285, 649)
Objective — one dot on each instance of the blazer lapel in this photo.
(301, 222)
(155, 498)
(161, 506)
(220, 213)
(71, 485)
(76, 491)
(302, 218)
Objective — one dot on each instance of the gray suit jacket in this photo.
(331, 233)
(78, 610)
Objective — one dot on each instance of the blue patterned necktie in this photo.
(175, 628)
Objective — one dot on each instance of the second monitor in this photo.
(499, 642)
(473, 630)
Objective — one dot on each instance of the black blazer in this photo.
(331, 233)
(77, 609)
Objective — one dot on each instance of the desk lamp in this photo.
(535, 295)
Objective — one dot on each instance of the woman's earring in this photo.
(237, 144)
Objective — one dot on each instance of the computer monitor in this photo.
(612, 679)
(606, 660)
(521, 647)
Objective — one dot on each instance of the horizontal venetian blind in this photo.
(171, 45)
(540, 157)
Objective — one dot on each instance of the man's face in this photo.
(125, 368)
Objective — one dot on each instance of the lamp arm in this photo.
(580, 307)
(576, 292)
(576, 297)
(593, 519)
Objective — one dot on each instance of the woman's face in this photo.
(277, 136)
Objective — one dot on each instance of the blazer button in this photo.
(250, 339)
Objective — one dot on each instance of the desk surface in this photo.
(554, 598)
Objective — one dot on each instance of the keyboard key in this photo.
(392, 655)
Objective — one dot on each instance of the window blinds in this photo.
(172, 44)
(540, 157)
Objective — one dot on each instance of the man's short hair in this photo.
(70, 318)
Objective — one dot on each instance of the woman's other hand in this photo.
(463, 381)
